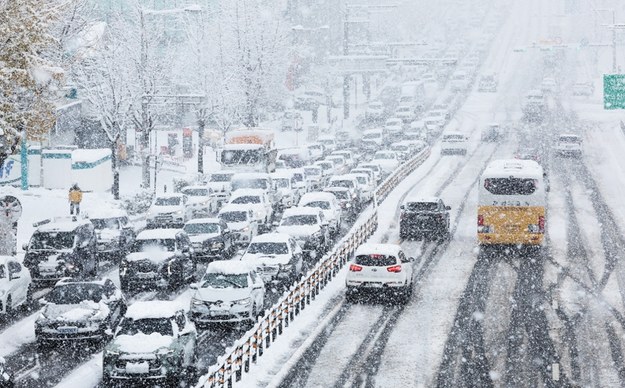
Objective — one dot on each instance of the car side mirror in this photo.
(447, 207)
(43, 301)
(411, 259)
(402, 207)
(25, 246)
(194, 286)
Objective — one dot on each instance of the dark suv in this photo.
(61, 247)
(427, 218)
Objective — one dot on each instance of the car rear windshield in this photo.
(453, 137)
(312, 172)
(325, 205)
(146, 326)
(570, 139)
(220, 178)
(250, 184)
(105, 223)
(376, 260)
(422, 206)
(233, 216)
(246, 199)
(169, 201)
(222, 280)
(196, 192)
(299, 220)
(75, 293)
(342, 183)
(192, 229)
(510, 186)
(268, 248)
(52, 240)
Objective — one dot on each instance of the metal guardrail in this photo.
(246, 351)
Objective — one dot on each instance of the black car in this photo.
(211, 239)
(427, 218)
(6, 378)
(114, 232)
(80, 310)
(61, 247)
(159, 258)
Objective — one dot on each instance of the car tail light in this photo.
(480, 220)
(541, 224)
(394, 269)
(355, 268)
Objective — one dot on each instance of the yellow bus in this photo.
(511, 203)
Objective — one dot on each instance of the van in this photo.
(454, 143)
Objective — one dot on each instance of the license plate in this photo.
(137, 367)
(372, 285)
(218, 313)
(145, 275)
(422, 218)
(68, 330)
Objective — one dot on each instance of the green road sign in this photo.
(614, 91)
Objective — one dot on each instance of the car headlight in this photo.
(243, 302)
(246, 229)
(179, 212)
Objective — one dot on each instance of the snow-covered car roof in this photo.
(316, 196)
(335, 188)
(211, 220)
(422, 200)
(245, 192)
(250, 175)
(282, 174)
(195, 187)
(300, 211)
(565, 135)
(61, 224)
(453, 133)
(152, 309)
(378, 249)
(161, 233)
(374, 131)
(95, 280)
(104, 212)
(504, 168)
(172, 195)
(326, 138)
(271, 237)
(233, 207)
(228, 267)
(239, 146)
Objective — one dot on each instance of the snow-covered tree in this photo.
(27, 75)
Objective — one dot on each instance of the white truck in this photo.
(248, 150)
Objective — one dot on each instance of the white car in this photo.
(387, 160)
(15, 285)
(256, 200)
(329, 142)
(454, 143)
(308, 227)
(315, 177)
(241, 222)
(366, 187)
(377, 170)
(114, 232)
(569, 145)
(200, 200)
(350, 182)
(378, 268)
(328, 204)
(583, 89)
(548, 85)
(402, 149)
(340, 165)
(285, 183)
(229, 291)
(459, 81)
(375, 110)
(168, 209)
(406, 113)
(277, 257)
(349, 157)
(327, 166)
(316, 150)
(372, 139)
(394, 126)
(219, 183)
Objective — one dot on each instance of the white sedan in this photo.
(387, 160)
(15, 285)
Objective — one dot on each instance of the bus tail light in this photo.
(481, 228)
(541, 224)
(480, 220)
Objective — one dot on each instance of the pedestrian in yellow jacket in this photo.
(75, 196)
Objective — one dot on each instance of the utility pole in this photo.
(346, 76)
(613, 43)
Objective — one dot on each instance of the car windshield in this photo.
(105, 223)
(245, 199)
(375, 260)
(312, 172)
(220, 178)
(453, 137)
(52, 240)
(384, 156)
(510, 186)
(146, 326)
(372, 136)
(570, 139)
(75, 293)
(233, 216)
(167, 201)
(362, 180)
(268, 248)
(223, 280)
(303, 219)
(203, 228)
(282, 183)
(156, 244)
(342, 183)
(196, 192)
(340, 194)
(325, 205)
(250, 184)
(422, 206)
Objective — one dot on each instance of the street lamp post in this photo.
(613, 28)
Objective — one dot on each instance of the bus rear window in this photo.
(510, 186)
